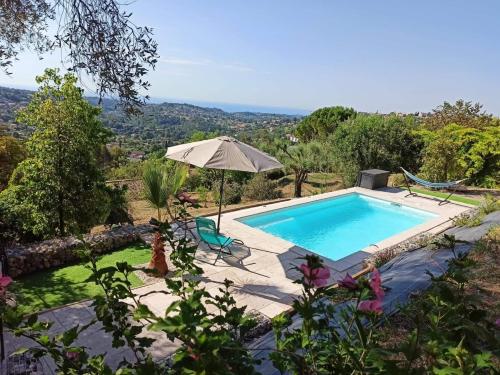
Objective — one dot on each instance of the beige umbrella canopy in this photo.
(223, 153)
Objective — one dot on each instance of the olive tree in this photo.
(97, 38)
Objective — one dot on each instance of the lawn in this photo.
(56, 287)
(455, 198)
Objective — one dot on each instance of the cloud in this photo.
(206, 62)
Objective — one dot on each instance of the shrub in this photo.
(193, 182)
(451, 335)
(202, 192)
(210, 178)
(118, 209)
(260, 188)
(468, 220)
(130, 170)
(397, 180)
(238, 177)
(232, 194)
(374, 141)
(382, 257)
(473, 219)
(490, 204)
(275, 174)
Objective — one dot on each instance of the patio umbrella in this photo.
(223, 153)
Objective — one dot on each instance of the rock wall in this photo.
(28, 258)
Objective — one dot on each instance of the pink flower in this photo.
(317, 277)
(497, 323)
(348, 282)
(376, 284)
(72, 356)
(4, 283)
(371, 306)
(186, 198)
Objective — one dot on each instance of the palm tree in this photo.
(175, 177)
(300, 159)
(155, 188)
(161, 181)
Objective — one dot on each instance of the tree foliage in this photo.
(300, 159)
(58, 188)
(375, 141)
(261, 188)
(12, 152)
(323, 122)
(161, 182)
(462, 113)
(97, 36)
(455, 152)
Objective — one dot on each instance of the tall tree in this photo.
(456, 152)
(59, 188)
(97, 38)
(461, 113)
(375, 141)
(323, 122)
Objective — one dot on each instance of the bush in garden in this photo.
(374, 141)
(260, 188)
(232, 194)
(472, 219)
(238, 177)
(467, 219)
(193, 182)
(210, 178)
(490, 204)
(202, 192)
(397, 180)
(118, 208)
(330, 340)
(452, 334)
(275, 174)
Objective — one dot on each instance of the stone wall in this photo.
(27, 258)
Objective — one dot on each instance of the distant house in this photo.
(136, 156)
(292, 138)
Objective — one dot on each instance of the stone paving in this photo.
(262, 273)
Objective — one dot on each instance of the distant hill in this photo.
(160, 124)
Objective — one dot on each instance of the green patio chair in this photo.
(207, 230)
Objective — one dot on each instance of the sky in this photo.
(402, 56)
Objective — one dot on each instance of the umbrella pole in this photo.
(220, 201)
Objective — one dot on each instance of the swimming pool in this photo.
(337, 227)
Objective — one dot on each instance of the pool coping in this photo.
(442, 221)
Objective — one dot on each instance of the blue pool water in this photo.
(337, 227)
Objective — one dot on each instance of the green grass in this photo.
(455, 198)
(56, 287)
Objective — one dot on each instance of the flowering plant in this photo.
(332, 338)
